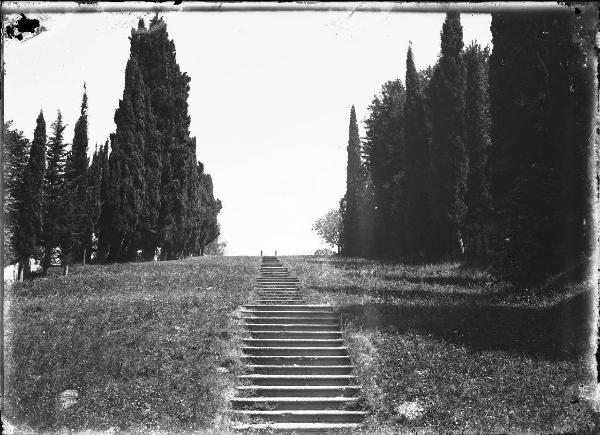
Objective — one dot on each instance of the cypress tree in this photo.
(155, 199)
(29, 211)
(15, 156)
(354, 183)
(448, 149)
(93, 197)
(132, 118)
(104, 219)
(366, 218)
(76, 182)
(477, 139)
(169, 87)
(54, 178)
(383, 150)
(417, 167)
(540, 87)
(209, 209)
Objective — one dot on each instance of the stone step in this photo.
(269, 292)
(294, 403)
(329, 380)
(292, 342)
(332, 320)
(325, 327)
(280, 296)
(288, 313)
(299, 391)
(303, 416)
(290, 284)
(297, 360)
(278, 292)
(274, 307)
(294, 351)
(296, 334)
(321, 428)
(298, 370)
(279, 300)
(277, 285)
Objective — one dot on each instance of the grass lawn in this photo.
(147, 346)
(442, 348)
(154, 346)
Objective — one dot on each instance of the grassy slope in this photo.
(442, 348)
(142, 343)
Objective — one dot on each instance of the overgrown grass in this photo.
(443, 347)
(147, 346)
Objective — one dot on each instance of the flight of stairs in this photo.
(299, 375)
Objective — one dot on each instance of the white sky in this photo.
(270, 99)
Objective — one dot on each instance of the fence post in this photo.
(276, 253)
(261, 253)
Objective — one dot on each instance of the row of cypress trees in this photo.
(483, 156)
(143, 190)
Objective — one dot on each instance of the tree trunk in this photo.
(46, 261)
(26, 273)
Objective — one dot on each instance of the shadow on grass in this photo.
(343, 263)
(560, 331)
(440, 280)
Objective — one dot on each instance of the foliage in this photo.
(354, 188)
(540, 91)
(27, 226)
(216, 247)
(53, 191)
(383, 154)
(329, 228)
(418, 222)
(448, 150)
(15, 154)
(161, 197)
(76, 215)
(477, 137)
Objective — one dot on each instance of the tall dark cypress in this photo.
(354, 185)
(540, 90)
(448, 150)
(15, 152)
(155, 197)
(209, 208)
(104, 229)
(29, 213)
(169, 90)
(127, 165)
(383, 150)
(93, 198)
(477, 139)
(76, 183)
(417, 166)
(52, 202)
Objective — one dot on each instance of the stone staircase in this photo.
(299, 375)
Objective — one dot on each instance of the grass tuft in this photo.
(147, 346)
(444, 348)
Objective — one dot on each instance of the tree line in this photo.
(143, 193)
(483, 156)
